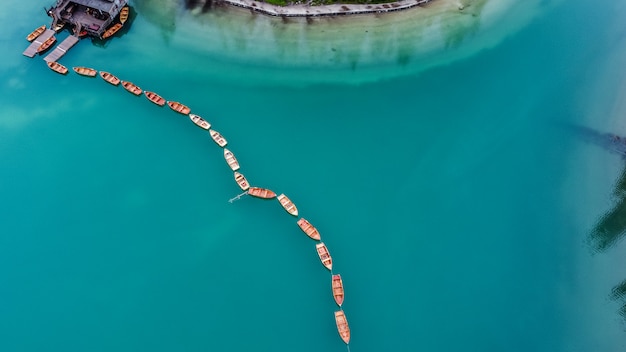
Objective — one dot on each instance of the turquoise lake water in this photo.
(437, 161)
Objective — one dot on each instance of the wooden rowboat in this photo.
(337, 285)
(57, 67)
(218, 138)
(109, 78)
(231, 160)
(342, 326)
(155, 98)
(112, 30)
(261, 192)
(322, 251)
(36, 33)
(57, 27)
(199, 121)
(129, 86)
(178, 107)
(288, 205)
(47, 44)
(85, 71)
(124, 14)
(241, 181)
(309, 229)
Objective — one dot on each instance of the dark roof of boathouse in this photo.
(108, 6)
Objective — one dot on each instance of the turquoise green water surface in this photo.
(433, 151)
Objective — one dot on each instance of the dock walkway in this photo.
(31, 51)
(61, 49)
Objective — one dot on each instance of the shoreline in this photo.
(325, 10)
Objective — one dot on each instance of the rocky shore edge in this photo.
(325, 10)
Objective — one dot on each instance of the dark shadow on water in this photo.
(161, 13)
(611, 226)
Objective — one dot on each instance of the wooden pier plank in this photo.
(60, 50)
(31, 51)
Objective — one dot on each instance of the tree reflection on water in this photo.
(611, 227)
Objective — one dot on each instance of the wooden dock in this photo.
(61, 49)
(31, 51)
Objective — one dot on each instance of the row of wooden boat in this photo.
(233, 163)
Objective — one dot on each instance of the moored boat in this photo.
(112, 30)
(131, 87)
(337, 285)
(57, 27)
(241, 181)
(218, 138)
(342, 326)
(261, 192)
(199, 121)
(231, 160)
(57, 67)
(155, 98)
(36, 33)
(288, 205)
(324, 255)
(85, 71)
(110, 78)
(309, 229)
(178, 107)
(47, 44)
(124, 14)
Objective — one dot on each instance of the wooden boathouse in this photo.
(91, 17)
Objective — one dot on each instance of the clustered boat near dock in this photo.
(96, 18)
(232, 162)
(36, 33)
(99, 19)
